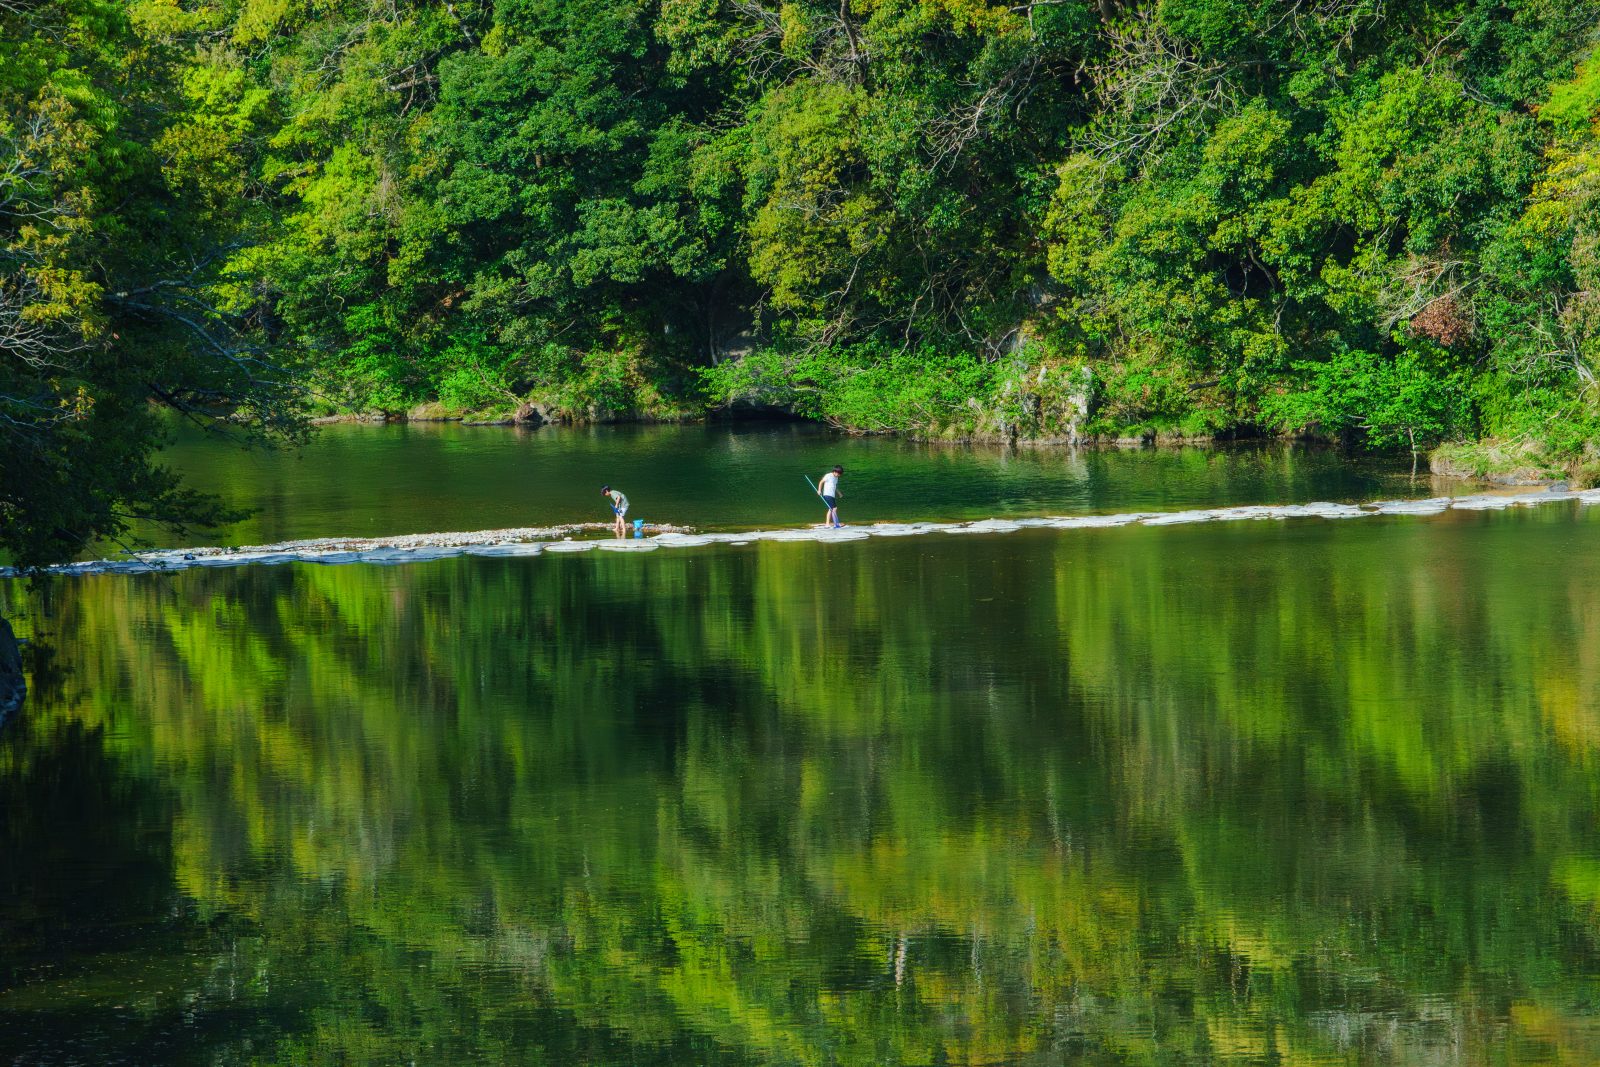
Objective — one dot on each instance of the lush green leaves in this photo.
(125, 182)
(1283, 261)
(902, 214)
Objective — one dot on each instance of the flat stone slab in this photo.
(535, 541)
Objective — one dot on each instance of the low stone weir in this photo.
(533, 541)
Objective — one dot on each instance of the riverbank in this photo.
(1514, 463)
(1489, 461)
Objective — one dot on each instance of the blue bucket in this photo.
(638, 527)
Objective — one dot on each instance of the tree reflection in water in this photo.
(1311, 791)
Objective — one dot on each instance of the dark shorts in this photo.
(828, 500)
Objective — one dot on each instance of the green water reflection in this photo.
(1303, 792)
(369, 481)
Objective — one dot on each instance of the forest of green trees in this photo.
(1367, 220)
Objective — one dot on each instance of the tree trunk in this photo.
(12, 686)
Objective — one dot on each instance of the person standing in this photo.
(619, 508)
(828, 489)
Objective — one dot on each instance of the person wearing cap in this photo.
(619, 508)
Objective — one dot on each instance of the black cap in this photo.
(605, 489)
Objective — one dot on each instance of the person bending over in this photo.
(619, 508)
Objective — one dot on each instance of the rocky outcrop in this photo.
(12, 685)
(529, 414)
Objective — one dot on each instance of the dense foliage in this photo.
(1358, 217)
(1370, 219)
(123, 180)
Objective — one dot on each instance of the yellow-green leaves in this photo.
(1575, 104)
(165, 21)
(816, 216)
(259, 19)
(210, 152)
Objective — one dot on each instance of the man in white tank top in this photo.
(828, 489)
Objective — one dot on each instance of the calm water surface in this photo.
(1299, 792)
(369, 481)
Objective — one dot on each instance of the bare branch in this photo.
(950, 134)
(1152, 86)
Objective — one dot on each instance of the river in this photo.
(367, 481)
(1306, 791)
